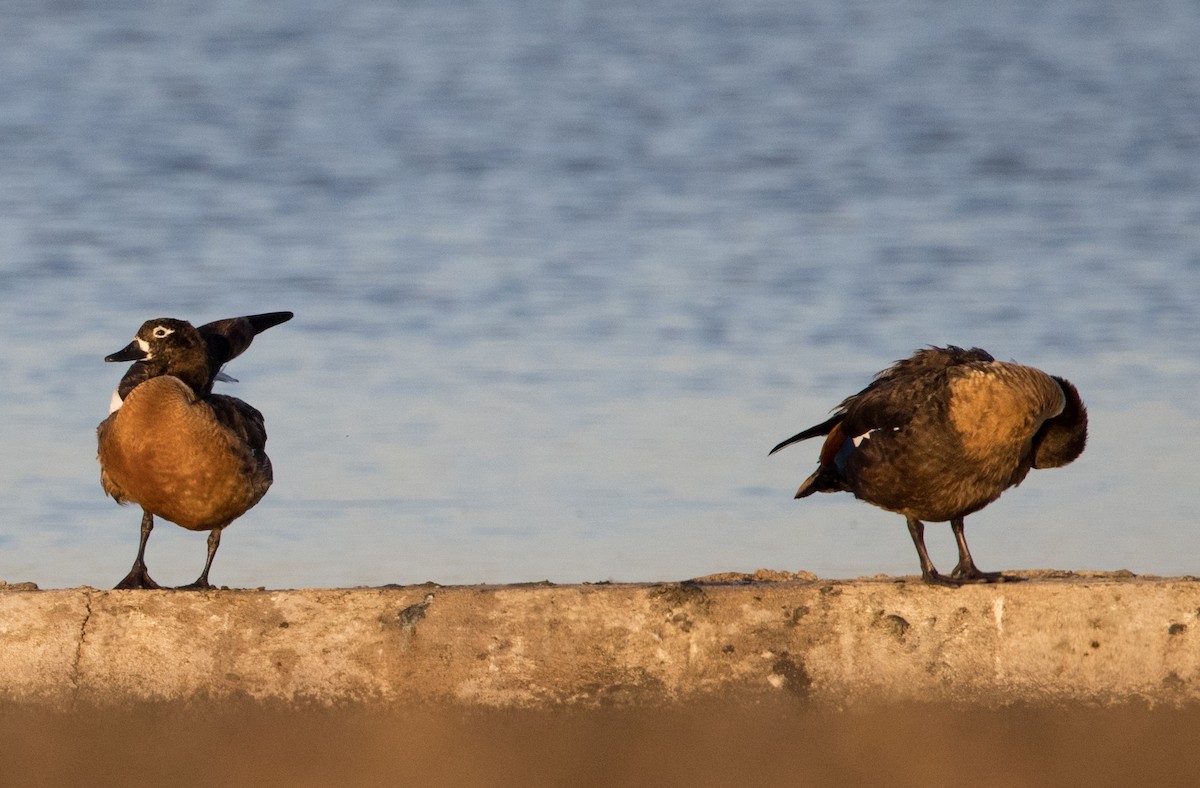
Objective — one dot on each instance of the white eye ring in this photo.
(160, 332)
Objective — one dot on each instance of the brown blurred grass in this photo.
(708, 744)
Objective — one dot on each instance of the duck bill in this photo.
(134, 351)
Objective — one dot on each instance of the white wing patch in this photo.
(860, 438)
(866, 435)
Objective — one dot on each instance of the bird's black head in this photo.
(170, 347)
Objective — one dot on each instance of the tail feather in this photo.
(824, 428)
(826, 478)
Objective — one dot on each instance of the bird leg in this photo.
(966, 571)
(929, 573)
(214, 540)
(138, 577)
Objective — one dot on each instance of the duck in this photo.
(172, 446)
(940, 435)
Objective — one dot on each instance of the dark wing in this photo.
(905, 388)
(883, 403)
(227, 339)
(886, 405)
(246, 425)
(243, 420)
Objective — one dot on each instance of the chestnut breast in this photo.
(165, 450)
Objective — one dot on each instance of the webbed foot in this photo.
(935, 578)
(198, 585)
(138, 577)
(971, 574)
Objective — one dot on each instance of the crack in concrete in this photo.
(87, 617)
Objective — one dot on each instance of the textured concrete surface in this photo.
(1056, 637)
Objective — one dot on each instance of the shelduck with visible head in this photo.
(175, 448)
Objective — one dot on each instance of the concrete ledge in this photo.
(1059, 637)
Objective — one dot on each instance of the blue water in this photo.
(564, 272)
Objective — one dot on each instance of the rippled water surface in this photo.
(564, 272)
